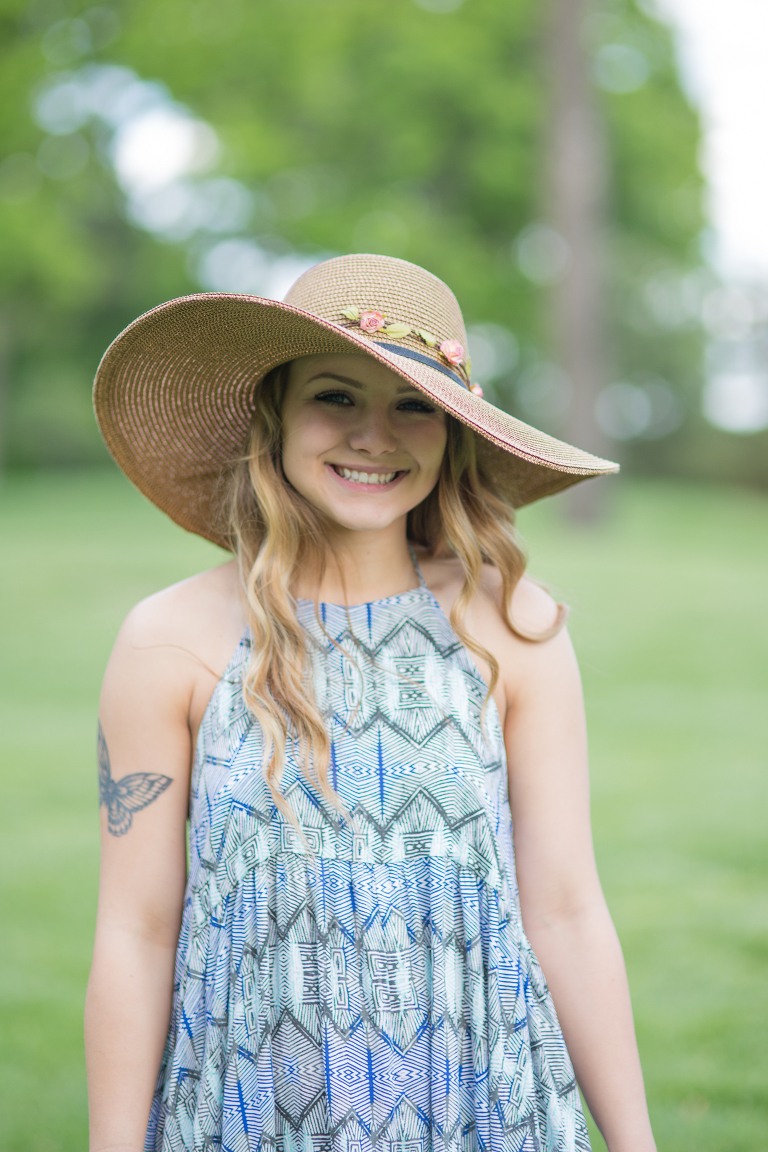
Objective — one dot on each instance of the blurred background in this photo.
(590, 176)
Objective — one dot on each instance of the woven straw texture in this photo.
(174, 392)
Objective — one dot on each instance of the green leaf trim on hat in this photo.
(397, 330)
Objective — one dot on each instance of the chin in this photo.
(363, 523)
(354, 515)
(351, 513)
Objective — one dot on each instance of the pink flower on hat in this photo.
(453, 351)
(371, 321)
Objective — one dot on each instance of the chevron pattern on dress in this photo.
(377, 992)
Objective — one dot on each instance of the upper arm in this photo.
(546, 743)
(168, 657)
(144, 770)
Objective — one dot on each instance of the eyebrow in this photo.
(356, 383)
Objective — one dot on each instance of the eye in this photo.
(416, 406)
(342, 399)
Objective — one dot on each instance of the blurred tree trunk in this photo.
(5, 357)
(575, 195)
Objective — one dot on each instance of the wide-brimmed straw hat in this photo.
(174, 393)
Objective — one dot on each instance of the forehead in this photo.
(357, 369)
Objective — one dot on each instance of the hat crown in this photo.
(405, 293)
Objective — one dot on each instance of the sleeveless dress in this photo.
(377, 992)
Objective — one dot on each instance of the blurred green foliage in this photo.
(410, 131)
(72, 270)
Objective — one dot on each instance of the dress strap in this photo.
(419, 573)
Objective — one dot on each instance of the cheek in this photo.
(428, 447)
(306, 435)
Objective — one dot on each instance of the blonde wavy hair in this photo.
(276, 531)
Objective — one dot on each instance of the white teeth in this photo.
(367, 477)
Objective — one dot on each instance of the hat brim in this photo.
(174, 399)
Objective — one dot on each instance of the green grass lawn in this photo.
(670, 621)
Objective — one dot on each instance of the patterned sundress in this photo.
(377, 991)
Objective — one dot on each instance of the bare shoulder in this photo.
(177, 643)
(533, 610)
(191, 613)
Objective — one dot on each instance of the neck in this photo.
(362, 566)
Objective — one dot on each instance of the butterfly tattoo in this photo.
(122, 798)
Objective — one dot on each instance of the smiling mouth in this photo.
(370, 479)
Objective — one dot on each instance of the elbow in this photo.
(566, 910)
(151, 930)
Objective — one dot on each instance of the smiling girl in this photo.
(350, 719)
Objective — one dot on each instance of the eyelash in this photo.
(335, 397)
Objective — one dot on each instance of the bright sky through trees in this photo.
(723, 55)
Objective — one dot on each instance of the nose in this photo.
(373, 433)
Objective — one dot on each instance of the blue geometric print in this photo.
(378, 993)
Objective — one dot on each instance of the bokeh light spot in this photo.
(620, 68)
(542, 254)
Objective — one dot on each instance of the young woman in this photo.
(354, 714)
